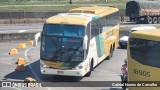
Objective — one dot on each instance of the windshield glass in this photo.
(145, 51)
(63, 30)
(63, 45)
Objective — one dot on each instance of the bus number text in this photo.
(140, 72)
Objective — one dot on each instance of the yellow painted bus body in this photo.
(100, 44)
(144, 69)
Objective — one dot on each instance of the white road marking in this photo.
(26, 51)
(122, 26)
(16, 88)
(6, 63)
(21, 31)
(9, 31)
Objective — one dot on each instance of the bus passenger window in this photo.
(145, 51)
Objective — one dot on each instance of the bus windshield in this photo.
(145, 51)
(62, 43)
(63, 30)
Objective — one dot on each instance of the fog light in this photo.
(42, 71)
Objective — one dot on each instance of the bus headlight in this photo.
(43, 65)
(77, 67)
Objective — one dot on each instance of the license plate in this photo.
(60, 72)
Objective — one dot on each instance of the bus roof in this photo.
(58, 19)
(147, 34)
(81, 16)
(98, 10)
(143, 28)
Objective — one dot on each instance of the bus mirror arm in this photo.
(85, 39)
(36, 38)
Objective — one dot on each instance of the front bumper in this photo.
(70, 72)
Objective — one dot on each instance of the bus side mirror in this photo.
(36, 38)
(85, 39)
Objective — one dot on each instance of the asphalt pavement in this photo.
(108, 70)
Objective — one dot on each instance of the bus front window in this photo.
(63, 30)
(145, 51)
(62, 43)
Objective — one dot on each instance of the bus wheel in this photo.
(155, 20)
(149, 20)
(91, 69)
(110, 54)
(113, 47)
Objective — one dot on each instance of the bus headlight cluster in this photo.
(43, 65)
(77, 67)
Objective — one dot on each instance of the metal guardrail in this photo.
(22, 17)
(24, 14)
(36, 14)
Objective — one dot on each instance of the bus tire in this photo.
(110, 54)
(149, 20)
(158, 19)
(132, 18)
(155, 20)
(113, 47)
(91, 69)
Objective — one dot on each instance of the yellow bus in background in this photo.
(73, 43)
(143, 53)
